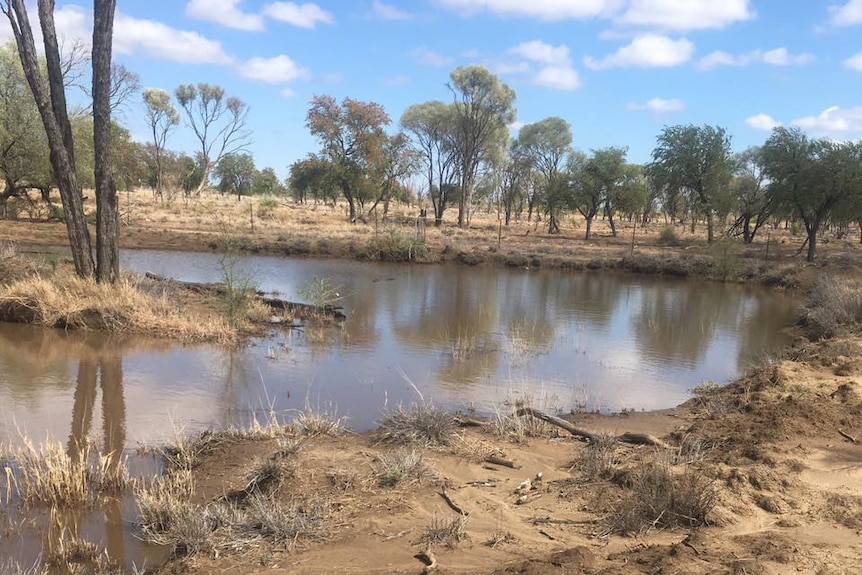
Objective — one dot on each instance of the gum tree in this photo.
(162, 118)
(695, 160)
(547, 143)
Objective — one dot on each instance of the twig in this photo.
(455, 507)
(500, 461)
(847, 436)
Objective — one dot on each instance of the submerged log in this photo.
(302, 310)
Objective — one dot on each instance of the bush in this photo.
(834, 308)
(395, 246)
(422, 423)
(668, 237)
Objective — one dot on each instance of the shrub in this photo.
(394, 246)
(834, 307)
(668, 237)
(402, 465)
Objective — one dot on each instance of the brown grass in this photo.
(69, 302)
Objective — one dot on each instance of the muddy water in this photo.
(462, 337)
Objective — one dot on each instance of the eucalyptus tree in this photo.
(484, 106)
(50, 98)
(815, 179)
(587, 190)
(432, 127)
(753, 204)
(162, 117)
(695, 160)
(607, 167)
(218, 122)
(398, 161)
(236, 174)
(266, 183)
(311, 176)
(515, 176)
(353, 140)
(547, 143)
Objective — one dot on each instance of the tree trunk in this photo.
(52, 109)
(107, 209)
(710, 227)
(589, 228)
(612, 223)
(812, 227)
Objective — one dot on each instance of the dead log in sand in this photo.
(627, 437)
(302, 310)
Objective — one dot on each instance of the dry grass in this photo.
(402, 466)
(448, 533)
(598, 459)
(11, 567)
(47, 475)
(507, 423)
(834, 308)
(69, 302)
(420, 424)
(313, 422)
(663, 498)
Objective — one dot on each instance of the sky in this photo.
(617, 70)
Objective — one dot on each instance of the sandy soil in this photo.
(788, 490)
(779, 447)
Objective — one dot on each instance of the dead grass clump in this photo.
(420, 424)
(663, 499)
(12, 567)
(507, 423)
(48, 475)
(598, 459)
(402, 466)
(319, 422)
(834, 308)
(286, 524)
(163, 500)
(69, 302)
(267, 476)
(448, 533)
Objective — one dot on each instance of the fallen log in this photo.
(302, 310)
(627, 437)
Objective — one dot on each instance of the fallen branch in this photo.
(628, 437)
(455, 507)
(847, 436)
(500, 461)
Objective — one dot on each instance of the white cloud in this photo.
(854, 62)
(302, 15)
(543, 10)
(287, 93)
(646, 51)
(658, 105)
(72, 23)
(777, 57)
(686, 14)
(502, 68)
(557, 71)
(390, 12)
(516, 126)
(846, 14)
(762, 122)
(158, 40)
(401, 80)
(431, 58)
(225, 13)
(834, 120)
(277, 70)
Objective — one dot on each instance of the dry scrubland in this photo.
(763, 476)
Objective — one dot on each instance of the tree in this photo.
(547, 143)
(218, 122)
(311, 176)
(484, 106)
(749, 192)
(587, 190)
(266, 183)
(236, 174)
(516, 171)
(607, 168)
(352, 137)
(398, 161)
(816, 179)
(432, 125)
(697, 161)
(162, 118)
(51, 104)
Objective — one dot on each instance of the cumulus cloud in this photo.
(556, 10)
(646, 51)
(686, 14)
(158, 40)
(762, 122)
(72, 23)
(390, 12)
(401, 80)
(854, 62)
(556, 70)
(301, 15)
(658, 105)
(777, 57)
(431, 58)
(834, 120)
(225, 13)
(848, 14)
(277, 70)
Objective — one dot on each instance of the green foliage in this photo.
(266, 183)
(239, 287)
(546, 144)
(393, 245)
(320, 291)
(236, 174)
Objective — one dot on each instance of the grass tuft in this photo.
(598, 459)
(420, 424)
(834, 308)
(448, 533)
(402, 466)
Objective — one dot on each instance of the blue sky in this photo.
(616, 70)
